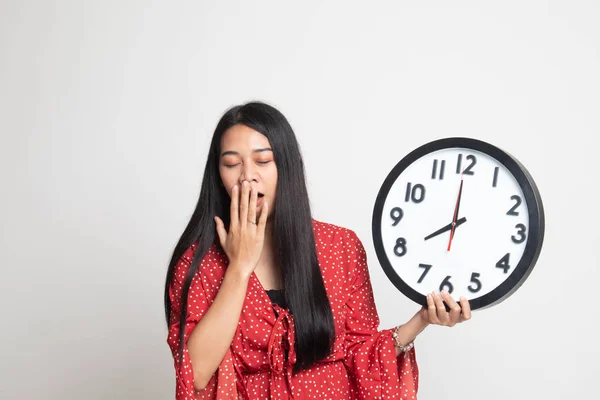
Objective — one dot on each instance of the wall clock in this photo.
(458, 214)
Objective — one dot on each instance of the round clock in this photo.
(461, 215)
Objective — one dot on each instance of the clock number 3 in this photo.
(521, 234)
(400, 248)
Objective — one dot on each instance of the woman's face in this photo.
(246, 155)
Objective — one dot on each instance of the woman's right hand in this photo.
(243, 242)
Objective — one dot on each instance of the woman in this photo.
(262, 301)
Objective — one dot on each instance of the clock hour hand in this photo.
(446, 228)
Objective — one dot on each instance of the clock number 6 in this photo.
(400, 248)
(446, 284)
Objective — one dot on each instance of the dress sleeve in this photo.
(371, 359)
(198, 303)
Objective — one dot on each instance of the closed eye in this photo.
(258, 162)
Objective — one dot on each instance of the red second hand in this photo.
(456, 207)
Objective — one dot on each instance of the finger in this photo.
(262, 223)
(221, 231)
(466, 309)
(431, 310)
(454, 308)
(441, 309)
(244, 204)
(252, 205)
(234, 210)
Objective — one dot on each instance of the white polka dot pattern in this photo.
(362, 364)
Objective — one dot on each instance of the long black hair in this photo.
(293, 235)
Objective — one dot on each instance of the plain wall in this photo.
(106, 111)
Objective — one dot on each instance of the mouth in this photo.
(259, 199)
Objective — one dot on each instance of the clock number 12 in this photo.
(467, 170)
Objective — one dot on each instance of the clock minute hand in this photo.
(456, 211)
(446, 228)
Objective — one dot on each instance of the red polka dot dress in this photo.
(362, 364)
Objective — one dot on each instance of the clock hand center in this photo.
(446, 228)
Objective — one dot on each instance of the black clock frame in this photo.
(532, 196)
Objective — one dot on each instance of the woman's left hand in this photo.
(435, 313)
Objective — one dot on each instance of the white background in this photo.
(106, 111)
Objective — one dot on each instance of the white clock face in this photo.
(489, 236)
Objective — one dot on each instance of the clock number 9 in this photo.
(396, 215)
(521, 232)
(400, 248)
(446, 284)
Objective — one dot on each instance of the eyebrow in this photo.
(235, 153)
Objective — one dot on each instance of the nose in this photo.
(248, 173)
